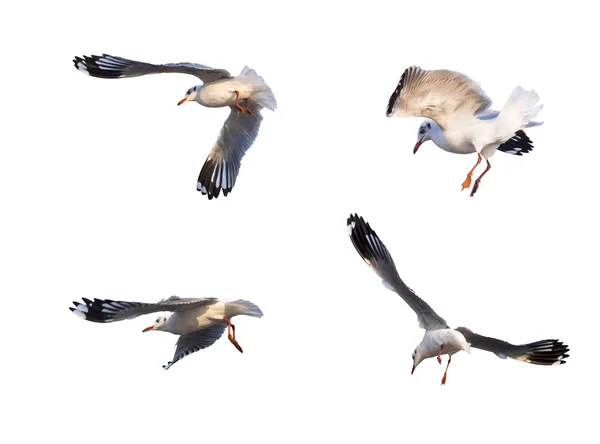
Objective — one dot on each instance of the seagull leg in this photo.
(237, 100)
(448, 365)
(467, 182)
(439, 356)
(476, 185)
(231, 337)
(248, 106)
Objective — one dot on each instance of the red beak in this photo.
(182, 101)
(419, 143)
(148, 329)
(413, 370)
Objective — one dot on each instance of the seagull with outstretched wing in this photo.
(219, 89)
(199, 322)
(459, 118)
(439, 338)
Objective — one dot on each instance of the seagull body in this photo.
(197, 322)
(452, 340)
(439, 338)
(219, 89)
(518, 145)
(459, 116)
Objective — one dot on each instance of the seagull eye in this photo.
(422, 131)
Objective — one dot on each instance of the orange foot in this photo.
(236, 345)
(444, 379)
(467, 182)
(248, 107)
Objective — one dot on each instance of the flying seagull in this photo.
(439, 338)
(218, 89)
(198, 322)
(459, 118)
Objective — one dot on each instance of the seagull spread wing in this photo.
(545, 352)
(106, 310)
(376, 255)
(197, 340)
(441, 95)
(111, 67)
(220, 170)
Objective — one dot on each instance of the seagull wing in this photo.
(198, 340)
(545, 352)
(220, 170)
(111, 67)
(441, 95)
(376, 255)
(518, 144)
(106, 310)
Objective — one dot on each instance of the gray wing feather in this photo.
(376, 255)
(198, 340)
(221, 168)
(111, 67)
(544, 352)
(107, 310)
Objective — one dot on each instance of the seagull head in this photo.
(417, 358)
(159, 324)
(424, 133)
(190, 95)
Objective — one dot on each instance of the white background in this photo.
(98, 199)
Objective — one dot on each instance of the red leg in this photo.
(439, 356)
(248, 106)
(237, 101)
(476, 185)
(467, 182)
(231, 337)
(448, 365)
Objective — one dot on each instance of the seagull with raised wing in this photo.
(459, 118)
(218, 89)
(439, 338)
(198, 322)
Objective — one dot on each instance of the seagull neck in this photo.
(438, 137)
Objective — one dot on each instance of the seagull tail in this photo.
(241, 307)
(520, 110)
(262, 93)
(266, 99)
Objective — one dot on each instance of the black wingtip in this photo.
(517, 145)
(355, 222)
(546, 352)
(207, 186)
(396, 93)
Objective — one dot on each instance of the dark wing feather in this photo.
(107, 310)
(518, 144)
(111, 67)
(376, 255)
(545, 352)
(198, 340)
(221, 168)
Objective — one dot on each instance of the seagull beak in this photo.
(419, 143)
(148, 329)
(182, 100)
(413, 369)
